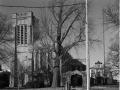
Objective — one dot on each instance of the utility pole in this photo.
(87, 49)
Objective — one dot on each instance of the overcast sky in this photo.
(96, 53)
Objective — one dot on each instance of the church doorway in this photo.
(76, 80)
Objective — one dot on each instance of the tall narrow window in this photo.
(18, 34)
(25, 34)
(73, 68)
(22, 39)
(31, 34)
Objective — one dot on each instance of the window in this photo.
(22, 39)
(25, 34)
(78, 68)
(31, 34)
(92, 71)
(81, 68)
(73, 68)
(18, 34)
(22, 34)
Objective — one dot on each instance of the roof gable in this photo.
(74, 62)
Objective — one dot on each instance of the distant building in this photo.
(97, 70)
(99, 76)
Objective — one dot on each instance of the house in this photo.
(97, 73)
(74, 71)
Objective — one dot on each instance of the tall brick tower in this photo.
(23, 24)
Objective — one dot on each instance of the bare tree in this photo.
(112, 15)
(62, 27)
(5, 38)
(112, 62)
(113, 54)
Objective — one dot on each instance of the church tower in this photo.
(28, 57)
(23, 24)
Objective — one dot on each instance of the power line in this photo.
(39, 6)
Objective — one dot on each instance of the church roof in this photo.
(74, 62)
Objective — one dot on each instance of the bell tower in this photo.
(23, 24)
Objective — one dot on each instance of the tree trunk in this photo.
(56, 69)
(56, 77)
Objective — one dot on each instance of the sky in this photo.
(96, 53)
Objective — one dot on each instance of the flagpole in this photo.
(104, 47)
(87, 49)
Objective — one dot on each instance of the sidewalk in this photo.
(104, 88)
(62, 88)
(36, 89)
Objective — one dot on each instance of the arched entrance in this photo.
(76, 80)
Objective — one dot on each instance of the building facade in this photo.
(74, 72)
(30, 59)
(23, 24)
(99, 76)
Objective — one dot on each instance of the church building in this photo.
(30, 59)
(26, 54)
